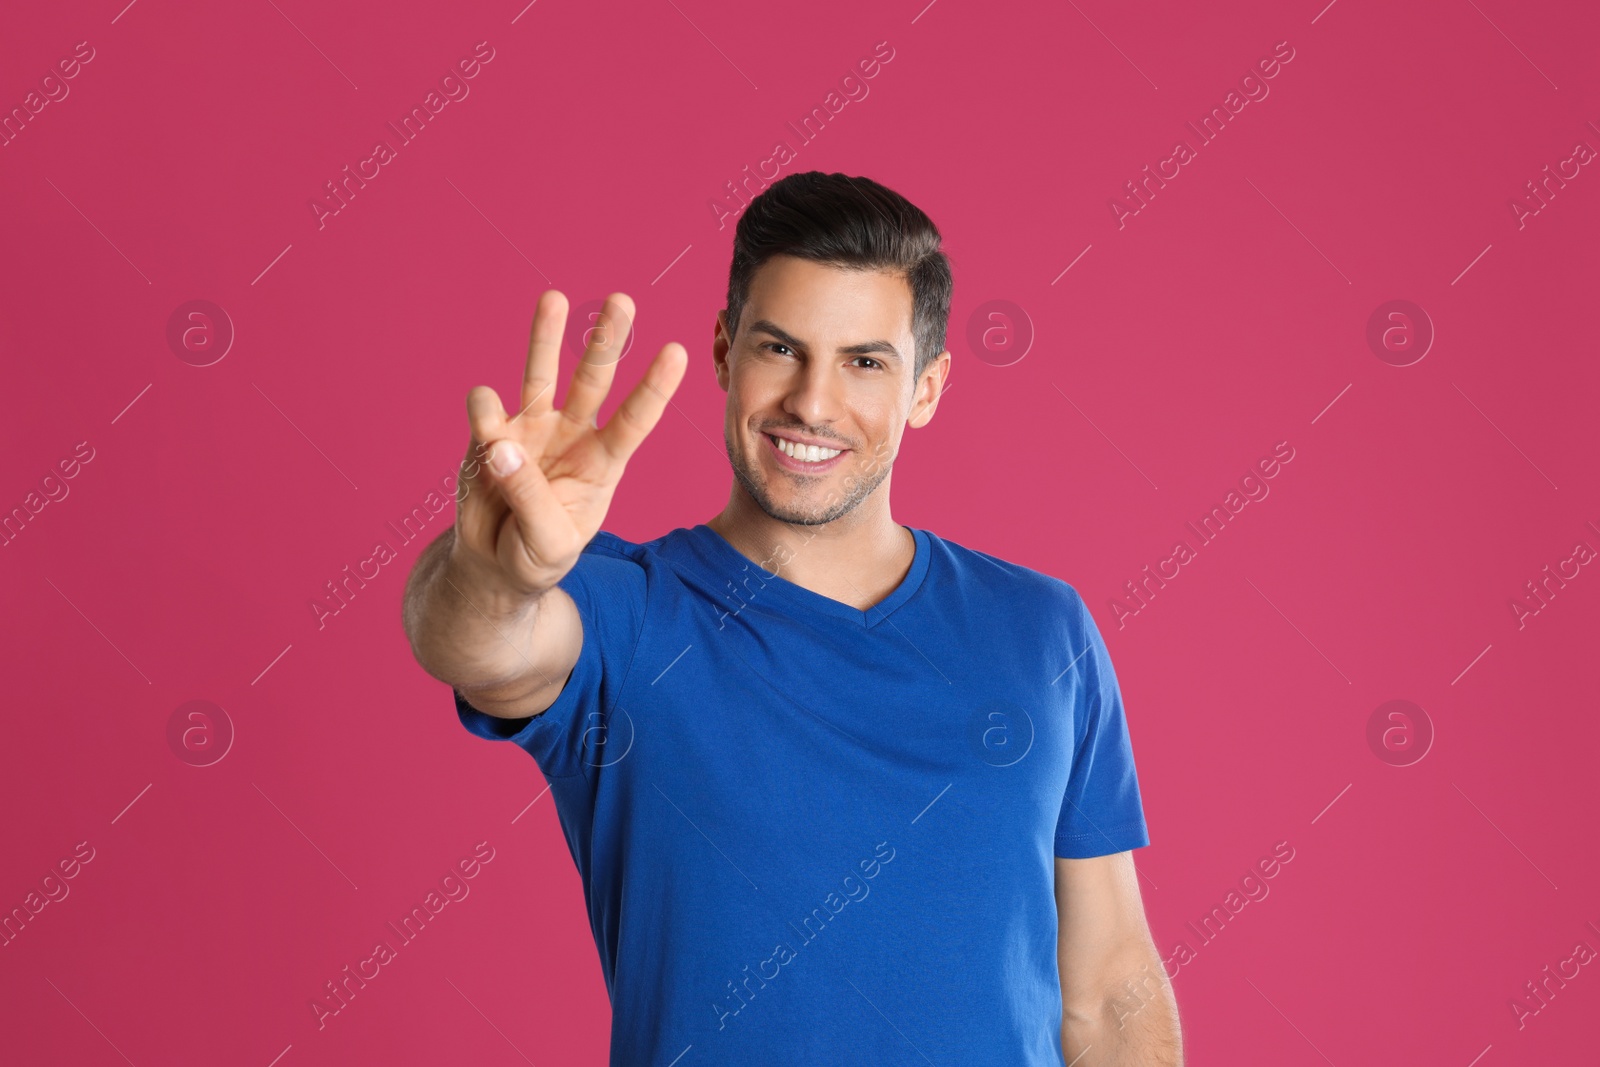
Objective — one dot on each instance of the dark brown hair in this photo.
(855, 224)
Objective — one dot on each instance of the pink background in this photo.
(1228, 315)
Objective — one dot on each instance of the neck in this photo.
(857, 559)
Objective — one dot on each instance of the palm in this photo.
(581, 475)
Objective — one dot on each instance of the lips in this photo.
(800, 464)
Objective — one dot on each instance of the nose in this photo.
(816, 394)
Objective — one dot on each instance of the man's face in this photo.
(823, 357)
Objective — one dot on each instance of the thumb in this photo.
(542, 521)
(521, 483)
(506, 458)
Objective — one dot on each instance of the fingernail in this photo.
(505, 458)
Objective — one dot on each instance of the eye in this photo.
(777, 344)
(875, 364)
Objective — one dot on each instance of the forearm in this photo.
(463, 632)
(1133, 1024)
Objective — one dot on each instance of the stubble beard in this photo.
(859, 489)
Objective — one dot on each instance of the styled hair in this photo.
(854, 224)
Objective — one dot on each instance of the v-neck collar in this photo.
(715, 549)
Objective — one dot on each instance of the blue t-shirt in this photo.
(812, 834)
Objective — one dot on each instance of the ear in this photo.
(720, 344)
(929, 387)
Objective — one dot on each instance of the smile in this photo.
(809, 458)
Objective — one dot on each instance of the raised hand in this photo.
(536, 484)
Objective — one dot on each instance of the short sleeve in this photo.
(1101, 812)
(610, 590)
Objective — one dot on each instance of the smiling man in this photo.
(838, 790)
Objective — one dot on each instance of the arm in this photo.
(1117, 1007)
(509, 656)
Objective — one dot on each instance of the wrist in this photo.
(484, 591)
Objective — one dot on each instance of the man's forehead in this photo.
(873, 301)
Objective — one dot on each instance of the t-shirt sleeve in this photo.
(1101, 812)
(568, 737)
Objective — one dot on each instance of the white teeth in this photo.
(805, 453)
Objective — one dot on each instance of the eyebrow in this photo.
(866, 348)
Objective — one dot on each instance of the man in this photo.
(839, 790)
